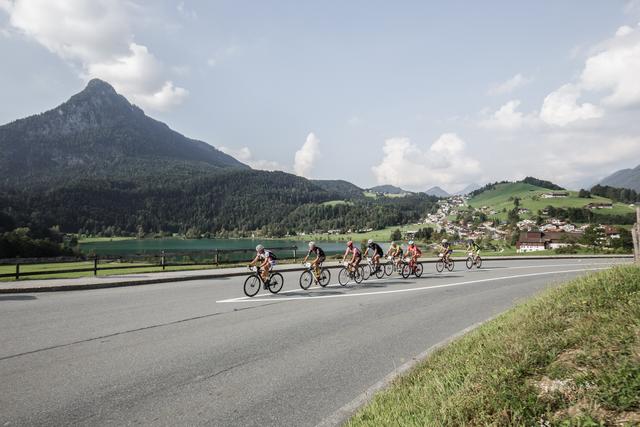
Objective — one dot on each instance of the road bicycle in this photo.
(370, 269)
(394, 266)
(252, 285)
(441, 264)
(348, 273)
(474, 260)
(319, 275)
(409, 267)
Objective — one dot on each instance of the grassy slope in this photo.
(499, 199)
(570, 356)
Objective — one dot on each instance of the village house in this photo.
(555, 194)
(604, 205)
(532, 241)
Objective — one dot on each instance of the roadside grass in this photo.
(568, 357)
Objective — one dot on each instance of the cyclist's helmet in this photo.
(393, 243)
(444, 240)
(259, 248)
(410, 242)
(350, 244)
(312, 245)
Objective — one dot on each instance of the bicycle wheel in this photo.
(419, 269)
(325, 277)
(276, 281)
(343, 276)
(366, 272)
(406, 271)
(478, 262)
(451, 265)
(306, 279)
(358, 275)
(252, 286)
(469, 262)
(439, 266)
(380, 272)
(388, 269)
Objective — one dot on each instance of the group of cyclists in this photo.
(266, 259)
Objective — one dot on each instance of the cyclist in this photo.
(356, 255)
(268, 261)
(377, 253)
(446, 250)
(395, 252)
(473, 247)
(320, 257)
(413, 252)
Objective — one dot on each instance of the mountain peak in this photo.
(97, 85)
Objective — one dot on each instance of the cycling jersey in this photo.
(377, 250)
(414, 250)
(267, 255)
(396, 251)
(355, 251)
(317, 251)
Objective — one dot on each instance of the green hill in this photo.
(500, 199)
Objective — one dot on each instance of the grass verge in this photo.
(569, 357)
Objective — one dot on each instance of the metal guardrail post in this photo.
(217, 258)
(17, 271)
(294, 253)
(162, 261)
(95, 265)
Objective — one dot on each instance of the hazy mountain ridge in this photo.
(624, 178)
(437, 191)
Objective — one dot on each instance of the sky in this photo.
(409, 93)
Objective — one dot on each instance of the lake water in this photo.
(156, 246)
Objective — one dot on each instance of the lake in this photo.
(155, 246)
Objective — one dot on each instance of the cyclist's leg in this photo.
(265, 271)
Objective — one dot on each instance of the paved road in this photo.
(198, 352)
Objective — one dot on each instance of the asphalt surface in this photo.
(200, 353)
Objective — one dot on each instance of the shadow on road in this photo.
(17, 297)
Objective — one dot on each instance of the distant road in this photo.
(199, 352)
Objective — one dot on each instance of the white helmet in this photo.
(370, 241)
(312, 245)
(410, 242)
(259, 248)
(444, 240)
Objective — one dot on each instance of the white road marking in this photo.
(262, 298)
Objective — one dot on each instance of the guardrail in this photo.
(163, 260)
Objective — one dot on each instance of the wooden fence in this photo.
(161, 260)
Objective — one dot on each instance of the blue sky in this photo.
(411, 93)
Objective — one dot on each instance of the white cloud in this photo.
(444, 163)
(245, 156)
(561, 107)
(186, 12)
(97, 38)
(616, 69)
(306, 156)
(509, 86)
(507, 117)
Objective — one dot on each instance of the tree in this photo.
(396, 235)
(584, 194)
(593, 237)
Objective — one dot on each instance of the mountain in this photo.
(437, 191)
(388, 189)
(468, 189)
(625, 178)
(341, 189)
(98, 133)
(98, 165)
